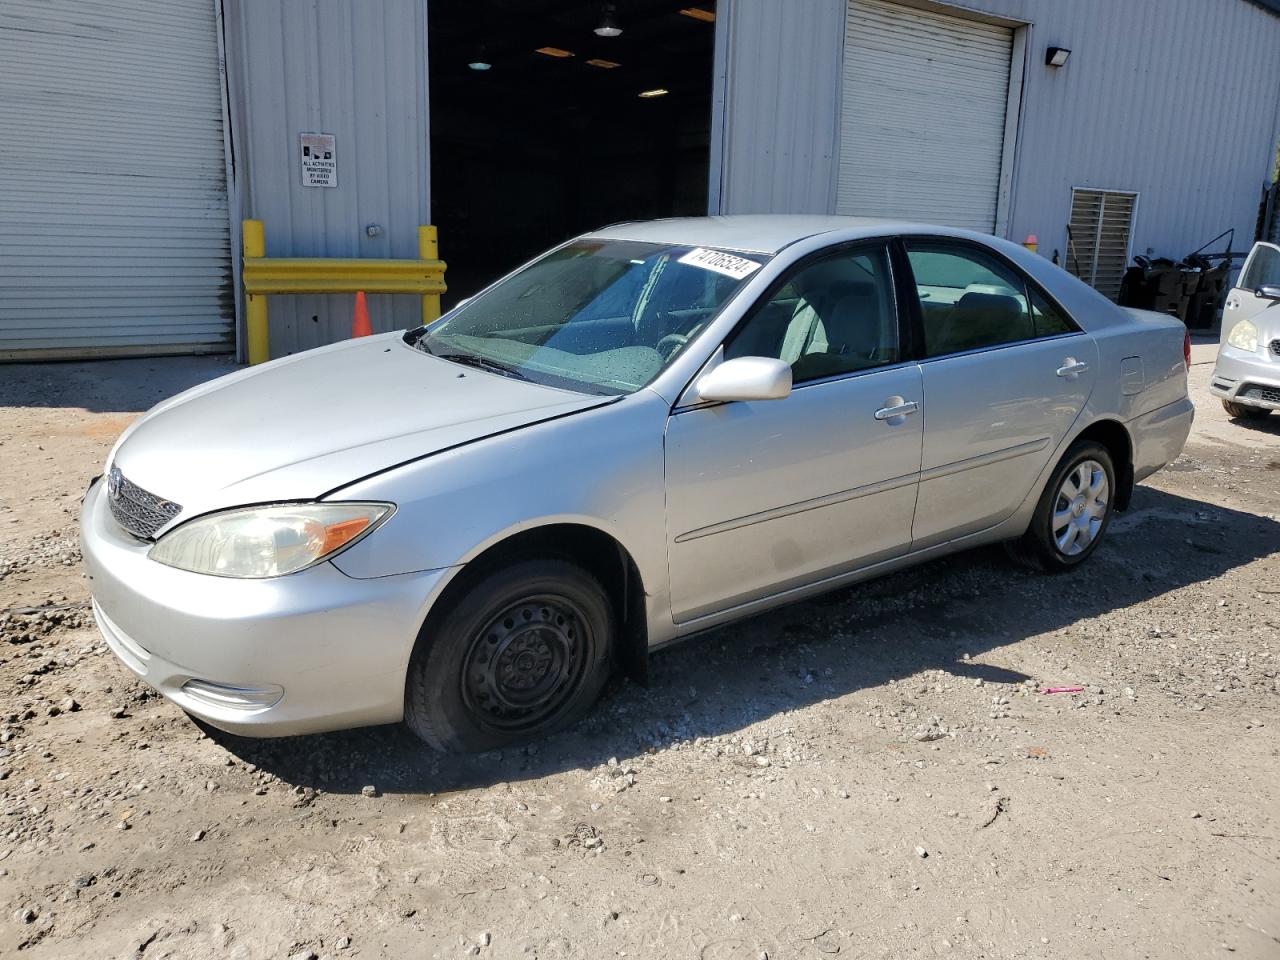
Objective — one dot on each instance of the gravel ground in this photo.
(873, 774)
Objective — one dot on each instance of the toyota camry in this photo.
(651, 430)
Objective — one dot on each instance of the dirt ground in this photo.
(874, 774)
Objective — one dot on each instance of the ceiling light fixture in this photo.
(608, 24)
(603, 64)
(479, 65)
(699, 13)
(554, 52)
(1056, 56)
(655, 92)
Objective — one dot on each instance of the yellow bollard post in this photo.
(255, 304)
(429, 249)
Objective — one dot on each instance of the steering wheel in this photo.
(672, 342)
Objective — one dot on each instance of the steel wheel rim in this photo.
(522, 669)
(1080, 508)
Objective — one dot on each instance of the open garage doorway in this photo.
(552, 117)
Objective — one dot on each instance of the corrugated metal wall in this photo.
(782, 97)
(358, 71)
(1175, 99)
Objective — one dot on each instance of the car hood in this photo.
(302, 426)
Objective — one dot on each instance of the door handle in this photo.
(897, 408)
(1072, 368)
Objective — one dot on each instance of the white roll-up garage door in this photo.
(925, 99)
(114, 235)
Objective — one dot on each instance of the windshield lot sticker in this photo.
(725, 263)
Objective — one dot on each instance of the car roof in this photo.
(754, 233)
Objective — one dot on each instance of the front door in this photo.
(769, 495)
(1006, 374)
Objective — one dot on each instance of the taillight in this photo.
(1186, 348)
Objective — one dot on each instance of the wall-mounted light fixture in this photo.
(655, 92)
(608, 24)
(1056, 56)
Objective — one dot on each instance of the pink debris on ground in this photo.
(1062, 690)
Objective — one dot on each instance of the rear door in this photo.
(1005, 375)
(1243, 303)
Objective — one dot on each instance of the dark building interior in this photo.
(546, 123)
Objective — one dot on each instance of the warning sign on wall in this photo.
(319, 160)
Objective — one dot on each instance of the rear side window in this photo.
(970, 300)
(1047, 319)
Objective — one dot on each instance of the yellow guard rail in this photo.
(263, 275)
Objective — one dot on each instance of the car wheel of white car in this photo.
(1073, 512)
(1239, 411)
(522, 653)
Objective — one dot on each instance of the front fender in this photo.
(602, 468)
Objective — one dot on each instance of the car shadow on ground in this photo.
(945, 615)
(1269, 426)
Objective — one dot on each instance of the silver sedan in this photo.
(1247, 373)
(649, 431)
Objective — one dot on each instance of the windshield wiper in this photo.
(483, 363)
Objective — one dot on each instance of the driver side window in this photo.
(831, 316)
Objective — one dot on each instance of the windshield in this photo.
(604, 316)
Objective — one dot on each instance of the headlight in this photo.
(1244, 336)
(257, 542)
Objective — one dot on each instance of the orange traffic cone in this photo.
(360, 322)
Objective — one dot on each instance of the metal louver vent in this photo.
(1098, 237)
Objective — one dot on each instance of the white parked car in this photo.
(1247, 373)
(651, 430)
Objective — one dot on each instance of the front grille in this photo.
(138, 511)
(1275, 347)
(1267, 394)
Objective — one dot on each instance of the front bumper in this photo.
(313, 651)
(1252, 379)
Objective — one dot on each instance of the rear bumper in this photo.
(1159, 436)
(312, 651)
(1252, 379)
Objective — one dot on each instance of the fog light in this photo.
(227, 697)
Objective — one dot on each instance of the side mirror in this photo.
(745, 378)
(1268, 291)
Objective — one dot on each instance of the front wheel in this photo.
(1240, 411)
(524, 651)
(1073, 512)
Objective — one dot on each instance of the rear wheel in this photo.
(524, 651)
(1073, 513)
(1239, 411)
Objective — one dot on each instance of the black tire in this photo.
(1039, 548)
(1239, 411)
(522, 652)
